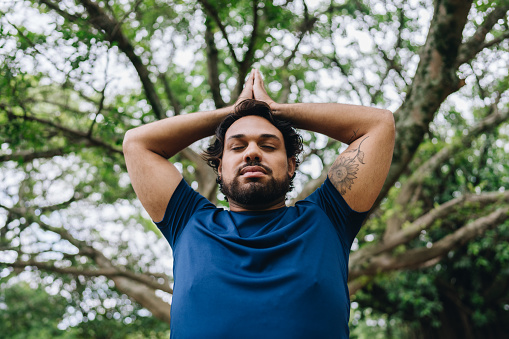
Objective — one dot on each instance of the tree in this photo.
(31, 313)
(28, 313)
(74, 80)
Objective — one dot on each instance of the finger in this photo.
(247, 91)
(258, 76)
(250, 79)
(260, 93)
(258, 82)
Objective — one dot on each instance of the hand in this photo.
(259, 89)
(247, 92)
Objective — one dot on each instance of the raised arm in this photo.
(360, 171)
(147, 149)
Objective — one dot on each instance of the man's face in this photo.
(254, 170)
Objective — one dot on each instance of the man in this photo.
(261, 269)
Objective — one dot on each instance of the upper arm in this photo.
(360, 171)
(153, 177)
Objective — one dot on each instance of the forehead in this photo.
(252, 126)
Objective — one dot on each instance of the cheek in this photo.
(225, 168)
(281, 167)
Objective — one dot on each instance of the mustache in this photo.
(255, 163)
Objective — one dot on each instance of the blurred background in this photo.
(79, 257)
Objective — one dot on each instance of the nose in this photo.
(252, 153)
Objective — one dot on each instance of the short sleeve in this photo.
(182, 205)
(346, 220)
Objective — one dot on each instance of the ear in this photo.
(220, 167)
(292, 164)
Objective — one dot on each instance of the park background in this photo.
(79, 258)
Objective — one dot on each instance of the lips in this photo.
(252, 170)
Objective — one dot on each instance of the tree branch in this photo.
(477, 42)
(28, 156)
(372, 260)
(425, 221)
(212, 65)
(140, 288)
(103, 96)
(62, 13)
(205, 175)
(247, 60)
(34, 46)
(305, 26)
(391, 63)
(214, 15)
(434, 80)
(63, 106)
(496, 41)
(415, 257)
(114, 34)
(175, 103)
(107, 272)
(485, 125)
(335, 61)
(312, 185)
(71, 133)
(395, 222)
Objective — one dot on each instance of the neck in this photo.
(236, 207)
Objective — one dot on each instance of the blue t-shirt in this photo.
(271, 274)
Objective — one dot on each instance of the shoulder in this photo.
(328, 194)
(184, 202)
(331, 202)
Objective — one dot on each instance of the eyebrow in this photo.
(263, 136)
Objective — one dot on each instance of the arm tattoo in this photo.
(344, 170)
(353, 137)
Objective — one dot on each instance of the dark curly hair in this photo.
(292, 139)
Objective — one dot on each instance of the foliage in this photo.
(76, 75)
(31, 313)
(34, 313)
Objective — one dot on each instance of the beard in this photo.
(255, 193)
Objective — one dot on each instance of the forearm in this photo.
(169, 136)
(342, 122)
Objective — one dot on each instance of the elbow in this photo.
(129, 140)
(385, 126)
(387, 118)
